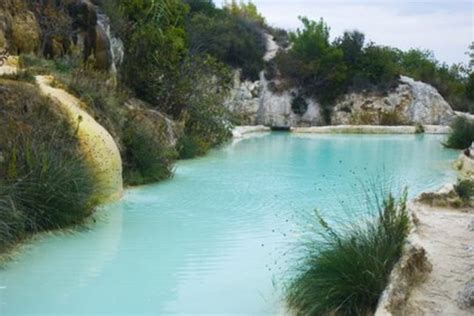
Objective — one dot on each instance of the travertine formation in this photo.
(434, 275)
(411, 102)
(99, 147)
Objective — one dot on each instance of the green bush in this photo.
(345, 270)
(462, 134)
(313, 65)
(155, 45)
(206, 120)
(147, 157)
(231, 39)
(465, 189)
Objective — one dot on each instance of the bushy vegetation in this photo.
(155, 44)
(106, 100)
(44, 180)
(232, 35)
(465, 189)
(206, 120)
(147, 157)
(462, 134)
(164, 68)
(345, 269)
(326, 70)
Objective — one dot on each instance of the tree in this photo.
(351, 44)
(245, 10)
(155, 45)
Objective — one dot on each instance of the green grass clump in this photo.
(346, 270)
(462, 134)
(45, 182)
(55, 187)
(465, 189)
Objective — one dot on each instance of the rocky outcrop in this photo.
(465, 163)
(240, 131)
(96, 143)
(254, 103)
(411, 102)
(51, 29)
(93, 37)
(430, 278)
(161, 126)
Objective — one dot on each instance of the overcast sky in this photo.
(443, 26)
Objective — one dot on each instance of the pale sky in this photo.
(444, 26)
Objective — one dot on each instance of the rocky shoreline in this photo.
(432, 276)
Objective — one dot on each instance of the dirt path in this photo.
(98, 145)
(449, 243)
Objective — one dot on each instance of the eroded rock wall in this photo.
(411, 102)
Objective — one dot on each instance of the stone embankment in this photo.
(240, 131)
(372, 129)
(435, 275)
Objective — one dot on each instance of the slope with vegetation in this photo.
(162, 102)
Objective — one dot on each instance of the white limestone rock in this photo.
(412, 102)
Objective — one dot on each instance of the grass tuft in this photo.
(345, 270)
(44, 180)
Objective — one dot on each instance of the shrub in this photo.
(155, 44)
(299, 105)
(465, 189)
(391, 118)
(147, 157)
(204, 85)
(462, 134)
(246, 10)
(347, 269)
(233, 40)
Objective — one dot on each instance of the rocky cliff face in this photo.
(254, 103)
(51, 28)
(412, 102)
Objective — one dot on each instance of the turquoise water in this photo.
(218, 238)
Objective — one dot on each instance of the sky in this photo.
(444, 26)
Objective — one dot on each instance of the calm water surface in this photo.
(217, 238)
